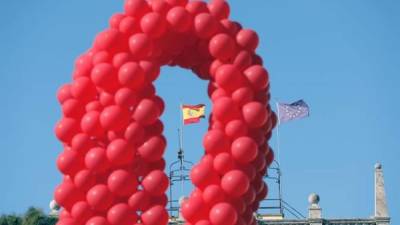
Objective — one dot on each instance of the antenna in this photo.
(178, 173)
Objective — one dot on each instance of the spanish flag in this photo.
(193, 113)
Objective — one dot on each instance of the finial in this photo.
(314, 211)
(54, 208)
(378, 165)
(313, 198)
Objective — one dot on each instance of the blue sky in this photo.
(341, 56)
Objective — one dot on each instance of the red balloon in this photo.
(136, 8)
(122, 183)
(255, 114)
(215, 141)
(242, 60)
(247, 39)
(96, 159)
(114, 118)
(205, 25)
(250, 195)
(157, 165)
(64, 214)
(262, 194)
(156, 215)
(214, 67)
(84, 180)
(147, 112)
(153, 24)
(196, 7)
(152, 149)
(156, 182)
(126, 97)
(140, 45)
(83, 89)
(104, 76)
(243, 95)
(160, 200)
(160, 6)
(222, 46)
(177, 2)
(203, 174)
(259, 162)
(238, 204)
(134, 133)
(101, 57)
(218, 93)
(224, 109)
(106, 39)
(150, 69)
(120, 152)
(244, 149)
(223, 162)
(83, 65)
(235, 183)
(120, 59)
(90, 124)
(230, 27)
(160, 103)
(192, 208)
(236, 128)
(257, 76)
(66, 128)
(213, 194)
(270, 158)
(116, 19)
(248, 169)
(97, 220)
(131, 75)
(93, 106)
(219, 9)
(203, 222)
(140, 200)
(99, 197)
(72, 108)
(81, 143)
(179, 19)
(66, 194)
(64, 93)
(68, 162)
(229, 77)
(223, 214)
(240, 221)
(121, 214)
(106, 99)
(66, 221)
(129, 25)
(81, 212)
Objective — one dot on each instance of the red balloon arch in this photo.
(112, 136)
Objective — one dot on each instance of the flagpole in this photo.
(181, 145)
(278, 144)
(181, 126)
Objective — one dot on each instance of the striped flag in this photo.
(193, 113)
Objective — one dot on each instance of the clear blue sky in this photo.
(341, 56)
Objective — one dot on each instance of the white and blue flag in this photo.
(293, 111)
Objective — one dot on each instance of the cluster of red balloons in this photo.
(112, 136)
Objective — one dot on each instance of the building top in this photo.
(380, 217)
(315, 217)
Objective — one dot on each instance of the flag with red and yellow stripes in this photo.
(193, 113)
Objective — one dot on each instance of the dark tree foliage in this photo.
(33, 216)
